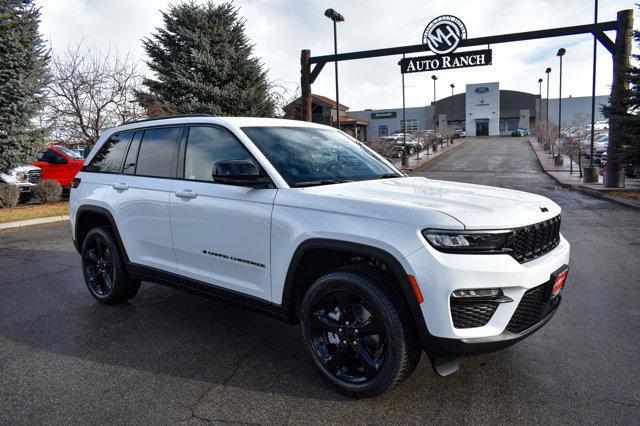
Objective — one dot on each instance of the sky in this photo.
(280, 29)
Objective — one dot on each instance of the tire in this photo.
(103, 268)
(400, 153)
(412, 151)
(368, 355)
(25, 198)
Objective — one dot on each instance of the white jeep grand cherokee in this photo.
(304, 223)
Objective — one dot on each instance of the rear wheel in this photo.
(103, 268)
(412, 151)
(356, 333)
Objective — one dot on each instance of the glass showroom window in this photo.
(412, 125)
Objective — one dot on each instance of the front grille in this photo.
(530, 310)
(472, 314)
(531, 242)
(34, 175)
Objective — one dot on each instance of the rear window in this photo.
(158, 151)
(109, 158)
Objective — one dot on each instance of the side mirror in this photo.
(238, 172)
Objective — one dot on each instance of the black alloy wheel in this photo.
(346, 336)
(356, 332)
(103, 268)
(98, 266)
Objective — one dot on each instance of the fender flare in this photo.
(395, 268)
(112, 222)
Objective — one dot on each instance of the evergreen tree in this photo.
(629, 123)
(202, 61)
(23, 76)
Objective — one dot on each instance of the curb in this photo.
(592, 192)
(430, 160)
(38, 221)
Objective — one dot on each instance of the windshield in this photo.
(307, 156)
(73, 154)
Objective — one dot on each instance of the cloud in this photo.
(280, 29)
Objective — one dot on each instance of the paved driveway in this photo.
(171, 357)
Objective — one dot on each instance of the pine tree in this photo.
(23, 76)
(629, 123)
(202, 61)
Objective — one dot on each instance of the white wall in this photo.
(483, 105)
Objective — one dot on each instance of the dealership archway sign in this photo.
(445, 34)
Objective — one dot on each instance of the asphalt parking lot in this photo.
(169, 357)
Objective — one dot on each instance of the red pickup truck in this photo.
(60, 163)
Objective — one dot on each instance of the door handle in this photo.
(120, 186)
(187, 193)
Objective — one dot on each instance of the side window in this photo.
(130, 161)
(109, 158)
(158, 151)
(50, 156)
(205, 147)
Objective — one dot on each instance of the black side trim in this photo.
(145, 273)
(392, 263)
(103, 212)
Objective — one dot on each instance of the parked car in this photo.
(375, 266)
(601, 125)
(460, 134)
(60, 164)
(25, 178)
(521, 131)
(402, 147)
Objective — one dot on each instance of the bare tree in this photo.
(573, 143)
(283, 94)
(89, 92)
(448, 133)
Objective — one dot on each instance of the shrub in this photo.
(384, 147)
(9, 195)
(47, 191)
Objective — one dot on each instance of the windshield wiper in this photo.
(319, 182)
(387, 176)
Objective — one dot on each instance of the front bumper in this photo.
(439, 274)
(26, 187)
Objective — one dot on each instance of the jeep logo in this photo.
(443, 34)
(482, 89)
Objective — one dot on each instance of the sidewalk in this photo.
(562, 175)
(426, 158)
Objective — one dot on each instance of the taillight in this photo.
(75, 182)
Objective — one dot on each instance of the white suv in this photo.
(305, 223)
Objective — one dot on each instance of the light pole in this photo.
(434, 78)
(452, 87)
(548, 71)
(540, 94)
(591, 173)
(560, 53)
(335, 17)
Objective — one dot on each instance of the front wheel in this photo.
(356, 334)
(400, 153)
(412, 151)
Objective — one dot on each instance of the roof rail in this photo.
(165, 118)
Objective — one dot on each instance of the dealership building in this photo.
(482, 110)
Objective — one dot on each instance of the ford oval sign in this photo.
(443, 34)
(482, 89)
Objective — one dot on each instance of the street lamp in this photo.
(540, 94)
(548, 71)
(434, 78)
(452, 87)
(335, 17)
(560, 53)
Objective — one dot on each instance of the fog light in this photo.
(480, 294)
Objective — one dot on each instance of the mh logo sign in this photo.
(443, 34)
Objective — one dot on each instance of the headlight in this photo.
(469, 241)
(21, 176)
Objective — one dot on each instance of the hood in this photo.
(23, 169)
(475, 206)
